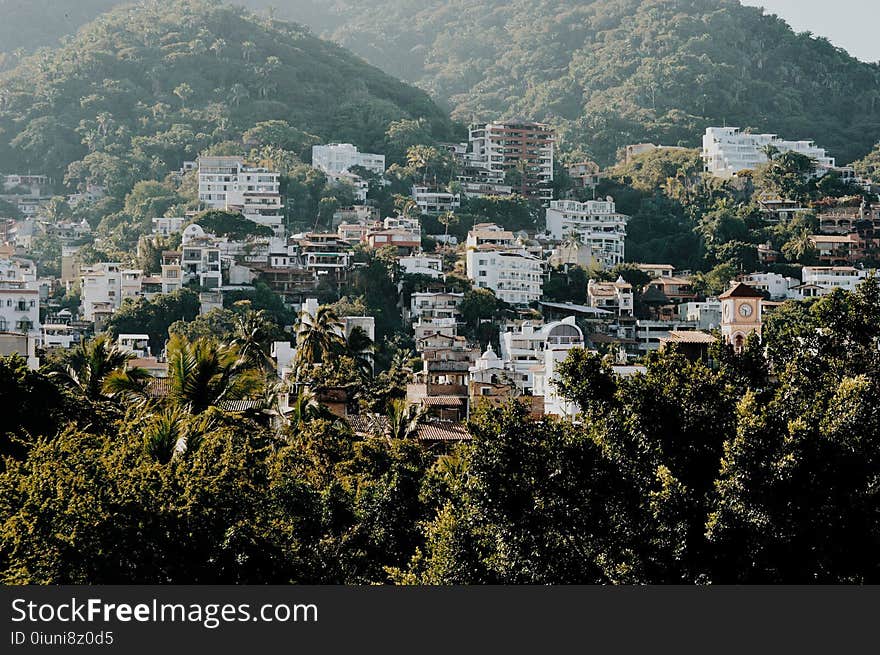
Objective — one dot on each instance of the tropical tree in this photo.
(359, 346)
(204, 373)
(252, 329)
(99, 370)
(318, 336)
(400, 422)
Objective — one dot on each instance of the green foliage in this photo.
(613, 72)
(153, 317)
(133, 95)
(223, 223)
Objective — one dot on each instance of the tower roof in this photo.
(741, 290)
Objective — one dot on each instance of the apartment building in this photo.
(435, 200)
(614, 296)
(200, 258)
(428, 265)
(19, 308)
(829, 278)
(227, 183)
(495, 261)
(729, 150)
(101, 289)
(168, 225)
(838, 250)
(340, 157)
(596, 224)
(519, 151)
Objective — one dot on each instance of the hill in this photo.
(166, 78)
(614, 72)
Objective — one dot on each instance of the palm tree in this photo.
(319, 336)
(770, 151)
(173, 432)
(204, 373)
(401, 420)
(98, 370)
(359, 346)
(302, 407)
(446, 219)
(251, 329)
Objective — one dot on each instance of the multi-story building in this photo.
(340, 157)
(101, 289)
(172, 272)
(729, 150)
(429, 265)
(403, 240)
(706, 314)
(168, 225)
(594, 223)
(838, 250)
(200, 258)
(776, 286)
(519, 151)
(434, 200)
(227, 183)
(614, 297)
(323, 254)
(494, 261)
(19, 308)
(532, 354)
(18, 269)
(829, 278)
(426, 306)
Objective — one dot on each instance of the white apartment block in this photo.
(516, 277)
(101, 289)
(200, 258)
(614, 297)
(427, 306)
(16, 269)
(596, 224)
(777, 286)
(429, 265)
(226, 183)
(339, 157)
(833, 277)
(435, 201)
(19, 308)
(705, 315)
(166, 226)
(411, 225)
(728, 150)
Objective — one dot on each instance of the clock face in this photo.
(745, 310)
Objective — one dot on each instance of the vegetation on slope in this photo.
(613, 72)
(145, 87)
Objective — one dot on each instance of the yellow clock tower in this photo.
(740, 314)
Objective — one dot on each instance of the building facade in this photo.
(729, 150)
(595, 224)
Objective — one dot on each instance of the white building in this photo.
(495, 261)
(200, 260)
(516, 277)
(17, 269)
(434, 200)
(427, 306)
(58, 335)
(615, 296)
(777, 286)
(101, 289)
(833, 277)
(532, 355)
(136, 344)
(595, 223)
(704, 315)
(226, 183)
(728, 150)
(429, 265)
(19, 308)
(168, 225)
(339, 157)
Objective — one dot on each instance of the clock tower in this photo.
(740, 314)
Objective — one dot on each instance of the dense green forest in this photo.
(757, 468)
(608, 72)
(141, 89)
(613, 72)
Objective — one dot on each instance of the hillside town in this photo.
(474, 321)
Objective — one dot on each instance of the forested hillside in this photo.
(144, 87)
(609, 72)
(613, 72)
